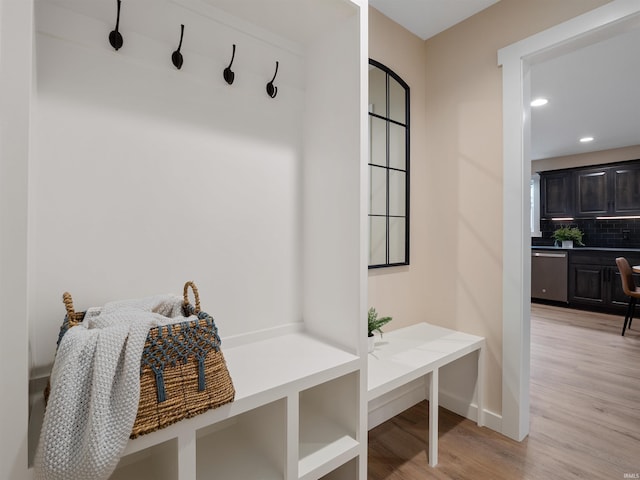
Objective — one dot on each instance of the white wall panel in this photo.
(145, 176)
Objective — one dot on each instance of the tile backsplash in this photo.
(597, 233)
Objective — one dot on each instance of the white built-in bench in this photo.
(407, 354)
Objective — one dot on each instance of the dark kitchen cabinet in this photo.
(605, 190)
(608, 191)
(594, 280)
(592, 192)
(587, 284)
(556, 194)
(617, 298)
(625, 181)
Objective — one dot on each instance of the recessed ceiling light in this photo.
(586, 139)
(538, 102)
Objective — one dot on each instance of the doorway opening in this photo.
(516, 60)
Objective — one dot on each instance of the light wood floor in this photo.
(585, 413)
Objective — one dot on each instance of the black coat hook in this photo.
(228, 74)
(272, 90)
(176, 57)
(115, 38)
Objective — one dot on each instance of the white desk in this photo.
(412, 352)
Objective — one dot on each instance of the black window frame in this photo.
(390, 74)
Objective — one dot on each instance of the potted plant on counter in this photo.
(568, 236)
(375, 324)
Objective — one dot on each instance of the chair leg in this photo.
(630, 309)
(633, 312)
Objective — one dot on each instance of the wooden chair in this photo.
(630, 289)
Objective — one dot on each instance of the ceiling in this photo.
(593, 91)
(426, 18)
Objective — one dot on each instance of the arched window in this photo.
(388, 167)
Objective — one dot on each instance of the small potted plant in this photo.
(375, 324)
(568, 236)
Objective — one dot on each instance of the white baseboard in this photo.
(391, 404)
(457, 405)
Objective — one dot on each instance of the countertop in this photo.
(587, 249)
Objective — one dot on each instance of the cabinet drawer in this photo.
(592, 258)
(603, 258)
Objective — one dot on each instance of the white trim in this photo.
(16, 77)
(535, 178)
(515, 59)
(462, 407)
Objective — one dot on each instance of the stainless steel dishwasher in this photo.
(549, 275)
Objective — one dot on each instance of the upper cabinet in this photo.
(592, 192)
(626, 189)
(556, 190)
(606, 190)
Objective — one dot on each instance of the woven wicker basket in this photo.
(182, 369)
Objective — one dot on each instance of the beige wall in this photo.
(399, 291)
(585, 159)
(455, 276)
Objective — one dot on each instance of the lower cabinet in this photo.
(594, 279)
(617, 297)
(587, 284)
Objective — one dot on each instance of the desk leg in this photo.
(480, 387)
(433, 419)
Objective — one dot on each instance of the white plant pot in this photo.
(372, 343)
(567, 243)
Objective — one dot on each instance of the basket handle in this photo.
(195, 294)
(68, 304)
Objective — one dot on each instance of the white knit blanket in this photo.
(95, 388)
